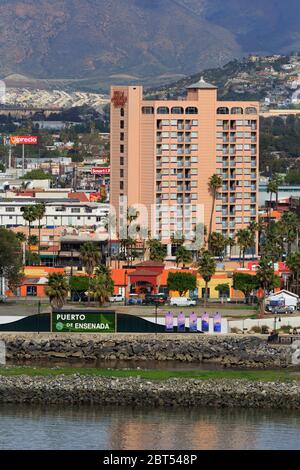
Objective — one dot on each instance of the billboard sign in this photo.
(23, 140)
(217, 323)
(81, 322)
(205, 323)
(100, 171)
(193, 323)
(169, 322)
(181, 323)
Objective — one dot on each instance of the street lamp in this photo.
(275, 322)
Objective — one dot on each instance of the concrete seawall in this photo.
(102, 391)
(231, 350)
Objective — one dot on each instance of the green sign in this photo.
(78, 322)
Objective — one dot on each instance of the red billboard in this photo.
(100, 171)
(23, 140)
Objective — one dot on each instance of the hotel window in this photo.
(177, 110)
(173, 146)
(191, 110)
(121, 185)
(194, 171)
(165, 122)
(173, 135)
(194, 159)
(121, 173)
(237, 111)
(122, 112)
(194, 147)
(122, 136)
(163, 110)
(251, 111)
(194, 184)
(246, 208)
(238, 208)
(75, 211)
(121, 124)
(121, 161)
(173, 122)
(195, 122)
(10, 209)
(240, 123)
(238, 220)
(239, 147)
(247, 147)
(246, 220)
(165, 159)
(223, 110)
(121, 148)
(165, 135)
(239, 195)
(165, 147)
(147, 110)
(219, 208)
(194, 135)
(218, 220)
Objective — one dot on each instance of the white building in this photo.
(287, 298)
(59, 212)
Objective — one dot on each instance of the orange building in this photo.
(164, 152)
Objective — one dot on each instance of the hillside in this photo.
(151, 41)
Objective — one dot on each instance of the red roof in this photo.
(82, 197)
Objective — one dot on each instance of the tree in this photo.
(57, 290)
(33, 240)
(217, 244)
(90, 258)
(245, 240)
(224, 290)
(245, 283)
(207, 268)
(158, 251)
(214, 184)
(40, 211)
(181, 282)
(183, 256)
(10, 258)
(32, 259)
(102, 287)
(78, 285)
(231, 243)
(37, 174)
(293, 263)
(273, 187)
(29, 216)
(290, 228)
(267, 280)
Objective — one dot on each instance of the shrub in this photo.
(256, 329)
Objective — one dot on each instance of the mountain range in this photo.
(93, 43)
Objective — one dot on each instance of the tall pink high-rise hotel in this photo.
(164, 152)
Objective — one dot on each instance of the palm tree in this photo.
(217, 243)
(214, 184)
(272, 188)
(231, 244)
(245, 240)
(40, 211)
(158, 251)
(290, 226)
(57, 290)
(207, 268)
(90, 258)
(183, 256)
(293, 262)
(102, 287)
(267, 279)
(22, 239)
(29, 216)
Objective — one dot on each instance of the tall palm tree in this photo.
(207, 268)
(245, 240)
(102, 287)
(157, 250)
(22, 239)
(272, 188)
(183, 256)
(57, 290)
(214, 185)
(40, 211)
(29, 216)
(90, 257)
(231, 244)
(217, 243)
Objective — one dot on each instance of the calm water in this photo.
(93, 428)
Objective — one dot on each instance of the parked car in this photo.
(134, 299)
(283, 310)
(116, 298)
(154, 299)
(3, 299)
(182, 302)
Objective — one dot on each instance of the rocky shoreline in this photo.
(135, 392)
(229, 351)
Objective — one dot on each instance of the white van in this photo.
(182, 302)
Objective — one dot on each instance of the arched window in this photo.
(147, 110)
(251, 111)
(191, 110)
(177, 110)
(223, 110)
(237, 111)
(163, 110)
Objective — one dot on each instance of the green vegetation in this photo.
(10, 258)
(207, 268)
(37, 175)
(253, 375)
(158, 251)
(57, 290)
(245, 283)
(181, 282)
(183, 256)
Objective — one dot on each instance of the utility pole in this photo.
(23, 160)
